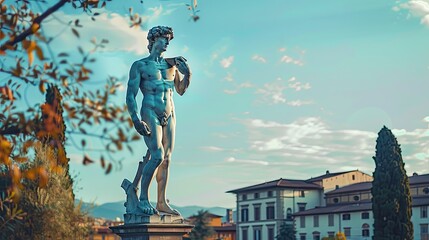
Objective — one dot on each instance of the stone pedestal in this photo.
(152, 231)
(155, 227)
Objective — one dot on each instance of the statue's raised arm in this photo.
(181, 84)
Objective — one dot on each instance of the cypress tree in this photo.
(286, 232)
(391, 199)
(53, 130)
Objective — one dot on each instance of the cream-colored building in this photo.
(349, 210)
(262, 208)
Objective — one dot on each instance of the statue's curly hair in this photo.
(156, 32)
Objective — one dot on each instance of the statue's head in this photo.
(157, 32)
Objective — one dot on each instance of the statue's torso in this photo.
(156, 84)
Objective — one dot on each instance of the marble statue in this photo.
(156, 77)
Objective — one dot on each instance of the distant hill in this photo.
(113, 210)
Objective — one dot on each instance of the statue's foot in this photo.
(165, 208)
(147, 208)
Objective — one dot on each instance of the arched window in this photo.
(316, 235)
(289, 213)
(365, 230)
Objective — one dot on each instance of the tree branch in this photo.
(29, 31)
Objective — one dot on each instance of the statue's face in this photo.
(161, 44)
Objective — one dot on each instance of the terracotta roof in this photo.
(357, 187)
(417, 179)
(327, 175)
(279, 183)
(336, 209)
(354, 207)
(366, 186)
(211, 215)
(230, 228)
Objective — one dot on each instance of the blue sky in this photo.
(280, 89)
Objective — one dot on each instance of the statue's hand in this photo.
(182, 66)
(142, 128)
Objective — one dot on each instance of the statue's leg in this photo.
(154, 143)
(162, 174)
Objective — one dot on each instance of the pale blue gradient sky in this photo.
(280, 89)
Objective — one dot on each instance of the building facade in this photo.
(262, 208)
(349, 210)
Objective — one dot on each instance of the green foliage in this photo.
(286, 232)
(51, 212)
(202, 230)
(10, 216)
(391, 198)
(340, 236)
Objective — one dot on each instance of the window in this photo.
(257, 212)
(244, 197)
(426, 190)
(353, 177)
(316, 235)
(365, 215)
(316, 221)
(424, 231)
(289, 213)
(302, 222)
(301, 206)
(356, 198)
(270, 193)
(244, 214)
(331, 234)
(256, 195)
(257, 234)
(336, 200)
(301, 193)
(270, 212)
(302, 236)
(346, 216)
(424, 212)
(347, 232)
(270, 233)
(244, 234)
(331, 220)
(365, 230)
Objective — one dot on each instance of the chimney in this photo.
(327, 172)
(229, 215)
(415, 174)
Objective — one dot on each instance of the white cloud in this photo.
(273, 92)
(212, 149)
(288, 59)
(426, 119)
(110, 26)
(313, 141)
(298, 103)
(245, 85)
(238, 87)
(156, 11)
(298, 86)
(258, 58)
(230, 92)
(282, 49)
(229, 77)
(417, 8)
(226, 62)
(246, 161)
